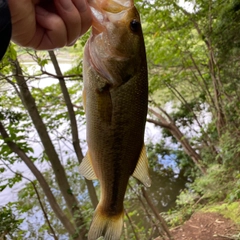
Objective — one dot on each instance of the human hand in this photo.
(48, 24)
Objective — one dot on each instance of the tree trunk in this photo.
(43, 183)
(132, 226)
(74, 127)
(213, 70)
(179, 136)
(157, 215)
(59, 172)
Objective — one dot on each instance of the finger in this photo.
(71, 18)
(50, 31)
(23, 21)
(85, 13)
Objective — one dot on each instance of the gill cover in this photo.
(115, 41)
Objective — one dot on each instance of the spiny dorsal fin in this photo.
(141, 170)
(86, 168)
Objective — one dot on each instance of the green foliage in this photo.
(219, 184)
(193, 59)
(228, 210)
(28, 203)
(185, 207)
(174, 153)
(226, 28)
(214, 185)
(8, 222)
(230, 150)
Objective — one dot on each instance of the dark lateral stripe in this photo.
(5, 27)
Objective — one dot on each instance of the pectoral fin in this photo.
(141, 170)
(86, 168)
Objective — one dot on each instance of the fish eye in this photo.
(135, 25)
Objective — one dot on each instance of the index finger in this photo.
(85, 13)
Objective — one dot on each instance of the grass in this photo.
(228, 210)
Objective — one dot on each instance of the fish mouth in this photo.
(104, 11)
(107, 14)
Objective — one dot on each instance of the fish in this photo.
(115, 99)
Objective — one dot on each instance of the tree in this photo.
(194, 97)
(193, 67)
(17, 146)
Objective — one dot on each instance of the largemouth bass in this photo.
(115, 99)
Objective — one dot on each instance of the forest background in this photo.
(194, 100)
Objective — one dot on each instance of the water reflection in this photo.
(166, 186)
(167, 183)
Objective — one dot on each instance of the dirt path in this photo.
(207, 226)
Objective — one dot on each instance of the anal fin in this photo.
(86, 168)
(141, 171)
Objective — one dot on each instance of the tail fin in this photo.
(108, 226)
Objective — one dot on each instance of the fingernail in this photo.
(41, 11)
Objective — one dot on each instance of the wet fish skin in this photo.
(115, 99)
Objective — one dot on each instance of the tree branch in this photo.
(157, 215)
(43, 183)
(175, 131)
(59, 172)
(158, 226)
(74, 127)
(131, 224)
(38, 198)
